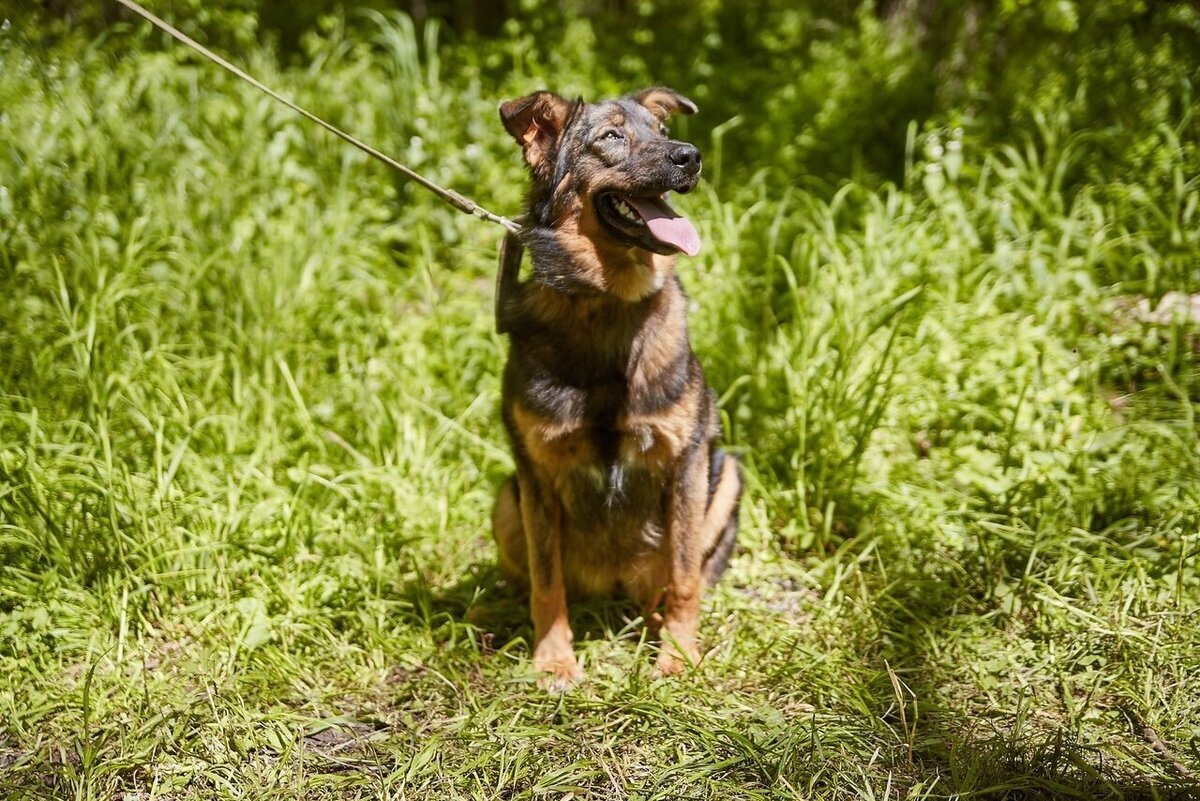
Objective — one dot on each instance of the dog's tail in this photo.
(721, 518)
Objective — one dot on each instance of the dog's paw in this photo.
(558, 675)
(555, 660)
(672, 660)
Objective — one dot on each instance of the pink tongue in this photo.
(667, 225)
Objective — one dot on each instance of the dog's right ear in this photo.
(663, 102)
(536, 121)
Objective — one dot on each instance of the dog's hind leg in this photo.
(509, 531)
(720, 527)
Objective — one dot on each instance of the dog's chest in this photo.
(605, 407)
(611, 474)
(598, 434)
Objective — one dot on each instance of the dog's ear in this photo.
(663, 102)
(536, 121)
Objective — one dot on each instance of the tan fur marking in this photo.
(658, 440)
(510, 535)
(552, 653)
(555, 448)
(624, 272)
(662, 344)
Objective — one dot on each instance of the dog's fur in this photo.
(619, 485)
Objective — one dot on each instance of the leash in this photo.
(458, 201)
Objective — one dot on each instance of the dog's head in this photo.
(605, 168)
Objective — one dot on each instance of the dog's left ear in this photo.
(536, 122)
(663, 102)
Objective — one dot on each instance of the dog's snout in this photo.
(687, 157)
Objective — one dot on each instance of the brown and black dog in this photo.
(619, 484)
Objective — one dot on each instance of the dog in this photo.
(620, 487)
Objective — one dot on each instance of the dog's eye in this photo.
(664, 130)
(609, 136)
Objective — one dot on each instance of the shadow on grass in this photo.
(1010, 756)
(499, 613)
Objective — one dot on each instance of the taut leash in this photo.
(458, 201)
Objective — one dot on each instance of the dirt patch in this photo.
(338, 737)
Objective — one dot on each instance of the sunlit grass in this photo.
(249, 440)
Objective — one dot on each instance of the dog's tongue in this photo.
(666, 224)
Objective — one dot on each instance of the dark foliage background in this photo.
(819, 90)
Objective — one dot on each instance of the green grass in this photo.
(249, 440)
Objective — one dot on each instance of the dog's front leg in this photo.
(553, 655)
(685, 582)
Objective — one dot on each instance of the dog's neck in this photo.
(607, 305)
(598, 335)
(576, 258)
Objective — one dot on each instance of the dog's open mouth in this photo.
(648, 222)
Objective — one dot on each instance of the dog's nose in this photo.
(687, 157)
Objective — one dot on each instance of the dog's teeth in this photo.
(628, 213)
